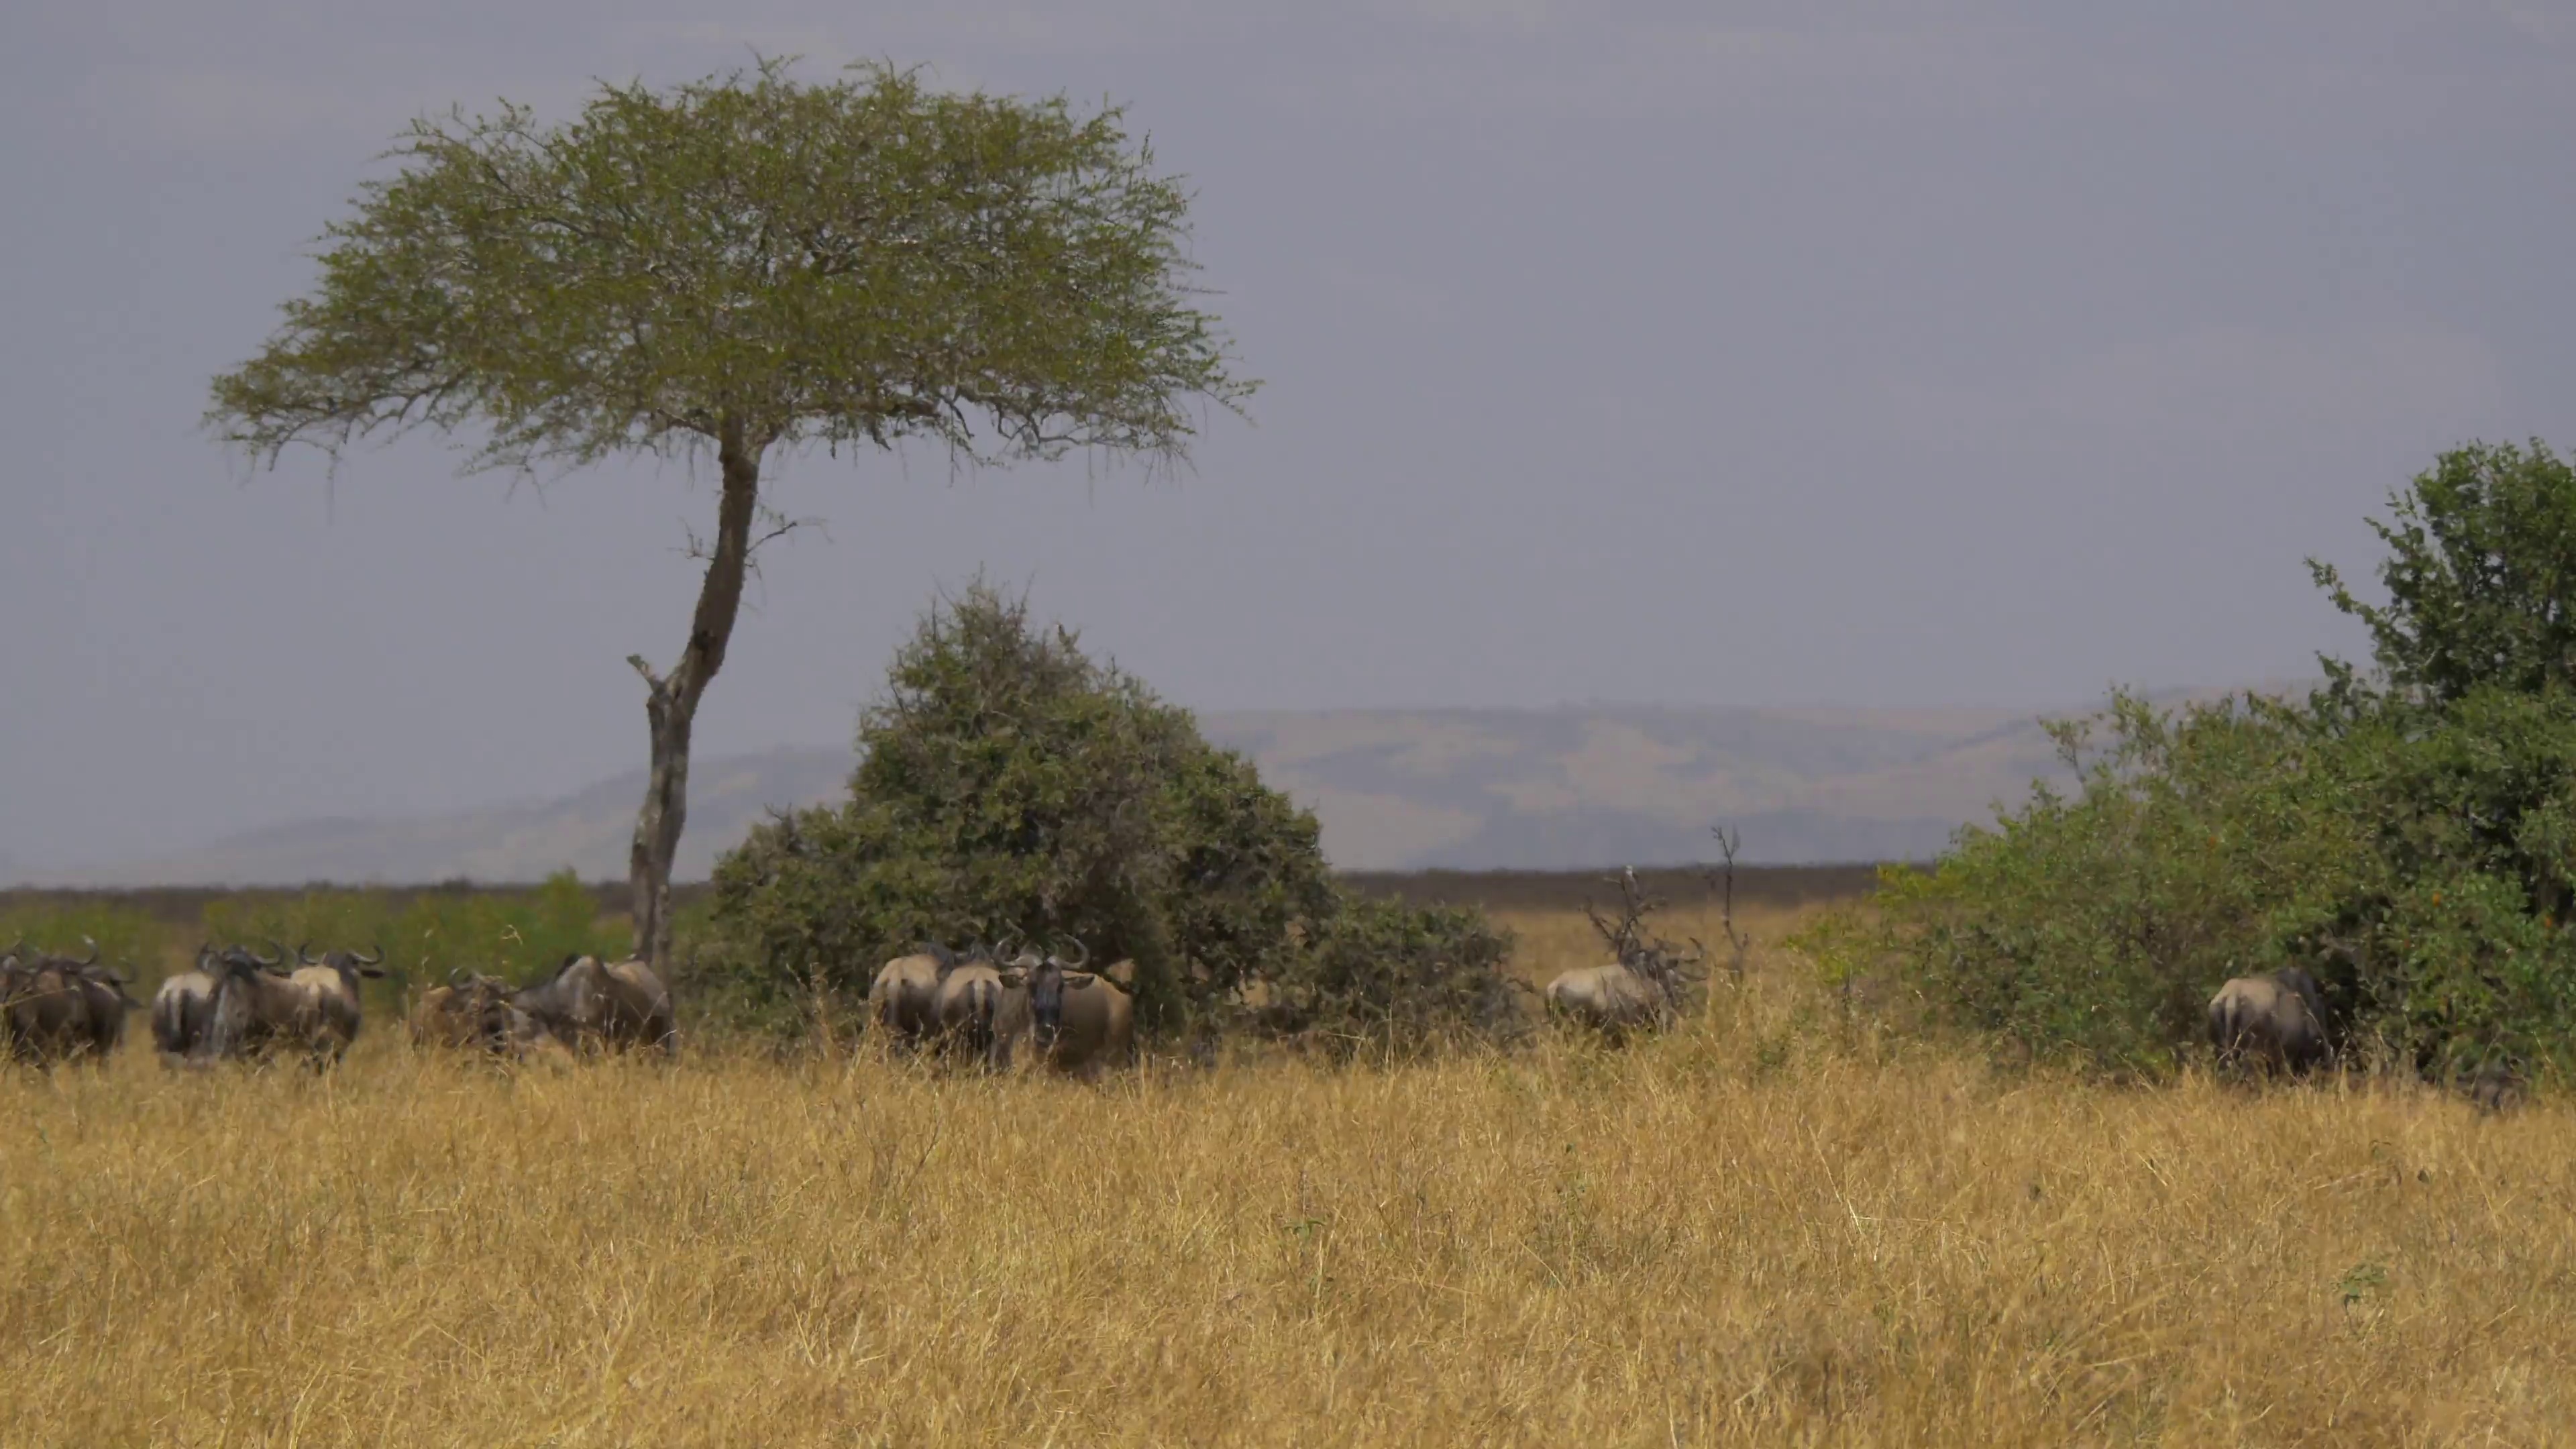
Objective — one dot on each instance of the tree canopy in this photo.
(745, 263)
(856, 261)
(2480, 573)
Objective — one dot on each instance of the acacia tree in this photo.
(746, 265)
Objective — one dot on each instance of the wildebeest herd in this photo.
(985, 1006)
(238, 1004)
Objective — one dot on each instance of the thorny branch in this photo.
(1667, 963)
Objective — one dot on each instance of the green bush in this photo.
(1007, 783)
(1383, 976)
(2410, 836)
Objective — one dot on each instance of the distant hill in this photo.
(1467, 789)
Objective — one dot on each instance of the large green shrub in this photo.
(2410, 836)
(1008, 783)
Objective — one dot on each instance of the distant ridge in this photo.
(1462, 789)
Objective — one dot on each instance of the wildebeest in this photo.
(258, 1008)
(609, 1003)
(182, 1008)
(980, 1015)
(1643, 984)
(2497, 1086)
(1081, 1022)
(1613, 999)
(54, 1008)
(475, 1011)
(2274, 1022)
(332, 982)
(104, 992)
(470, 1010)
(903, 999)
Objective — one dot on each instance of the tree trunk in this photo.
(671, 701)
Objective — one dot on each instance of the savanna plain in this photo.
(1783, 1222)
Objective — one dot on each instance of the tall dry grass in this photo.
(1774, 1226)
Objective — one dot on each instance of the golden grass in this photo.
(1770, 1227)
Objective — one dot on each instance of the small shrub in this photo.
(1379, 975)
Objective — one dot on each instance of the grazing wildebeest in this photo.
(333, 984)
(258, 1009)
(1613, 999)
(610, 1003)
(474, 1011)
(1643, 984)
(1080, 1022)
(470, 1010)
(2273, 1022)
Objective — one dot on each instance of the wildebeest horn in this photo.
(377, 959)
(304, 953)
(453, 974)
(1086, 953)
(277, 960)
(93, 951)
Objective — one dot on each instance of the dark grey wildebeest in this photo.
(612, 1004)
(55, 1008)
(2273, 1022)
(183, 1009)
(259, 1010)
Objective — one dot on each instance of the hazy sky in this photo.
(1783, 353)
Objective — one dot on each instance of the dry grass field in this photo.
(1774, 1226)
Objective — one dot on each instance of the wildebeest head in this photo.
(346, 962)
(1046, 978)
(243, 979)
(346, 965)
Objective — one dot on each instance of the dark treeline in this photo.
(1757, 886)
(186, 905)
